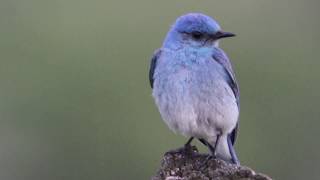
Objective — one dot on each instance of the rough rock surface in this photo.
(187, 164)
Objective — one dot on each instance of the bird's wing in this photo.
(220, 56)
(153, 65)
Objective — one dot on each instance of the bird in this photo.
(194, 85)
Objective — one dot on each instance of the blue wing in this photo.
(153, 65)
(220, 56)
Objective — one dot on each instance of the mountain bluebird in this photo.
(194, 85)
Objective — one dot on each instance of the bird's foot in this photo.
(203, 166)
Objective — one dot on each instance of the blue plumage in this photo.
(194, 85)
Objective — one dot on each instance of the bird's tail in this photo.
(226, 151)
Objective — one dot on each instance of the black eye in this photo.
(196, 35)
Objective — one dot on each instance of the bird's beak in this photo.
(221, 34)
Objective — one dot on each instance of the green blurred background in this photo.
(75, 102)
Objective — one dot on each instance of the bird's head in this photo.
(195, 30)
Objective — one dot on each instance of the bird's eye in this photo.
(196, 35)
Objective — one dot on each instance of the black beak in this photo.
(221, 34)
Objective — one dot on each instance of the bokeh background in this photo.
(75, 102)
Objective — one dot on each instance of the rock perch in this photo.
(187, 164)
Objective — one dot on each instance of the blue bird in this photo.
(194, 86)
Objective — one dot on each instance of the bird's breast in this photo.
(188, 69)
(193, 94)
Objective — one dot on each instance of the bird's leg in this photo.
(187, 144)
(212, 150)
(204, 142)
(187, 148)
(202, 165)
